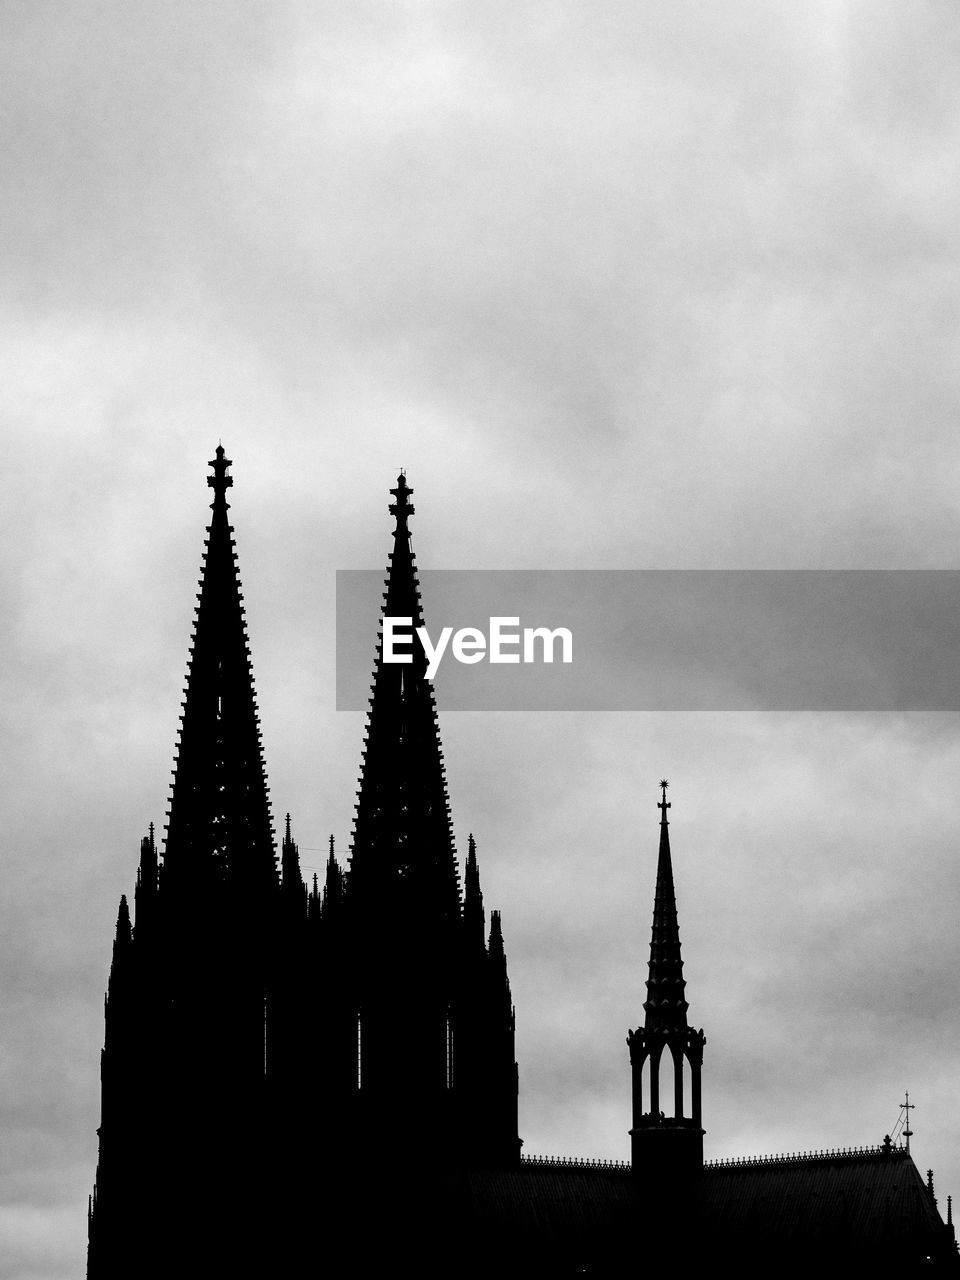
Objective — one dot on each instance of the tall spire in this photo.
(219, 826)
(665, 1005)
(666, 1147)
(403, 841)
(333, 885)
(291, 879)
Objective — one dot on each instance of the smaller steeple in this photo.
(147, 872)
(503, 999)
(119, 981)
(290, 859)
(501, 992)
(145, 893)
(665, 1005)
(333, 885)
(473, 913)
(124, 935)
(498, 955)
(292, 886)
(666, 1138)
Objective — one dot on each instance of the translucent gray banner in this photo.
(671, 640)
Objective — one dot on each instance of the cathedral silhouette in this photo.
(306, 1080)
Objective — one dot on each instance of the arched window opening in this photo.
(682, 1087)
(671, 1085)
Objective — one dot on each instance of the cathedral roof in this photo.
(850, 1201)
(867, 1194)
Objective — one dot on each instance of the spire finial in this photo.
(219, 482)
(664, 804)
(287, 838)
(949, 1211)
(907, 1106)
(403, 507)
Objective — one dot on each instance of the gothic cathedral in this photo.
(306, 1080)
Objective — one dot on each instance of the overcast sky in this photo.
(622, 285)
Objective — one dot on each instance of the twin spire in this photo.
(403, 852)
(219, 827)
(219, 818)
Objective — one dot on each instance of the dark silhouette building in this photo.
(300, 1080)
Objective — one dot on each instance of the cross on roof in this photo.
(907, 1106)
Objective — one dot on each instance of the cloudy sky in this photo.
(622, 286)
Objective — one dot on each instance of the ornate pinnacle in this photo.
(496, 936)
(123, 920)
(403, 507)
(473, 915)
(665, 1005)
(220, 482)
